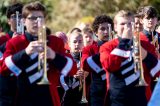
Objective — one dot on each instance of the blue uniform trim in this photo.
(92, 63)
(9, 63)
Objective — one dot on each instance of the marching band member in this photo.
(8, 83)
(73, 95)
(11, 16)
(87, 36)
(20, 59)
(137, 21)
(116, 58)
(91, 60)
(149, 20)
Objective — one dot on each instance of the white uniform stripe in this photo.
(67, 67)
(33, 56)
(35, 76)
(11, 66)
(121, 53)
(155, 98)
(75, 84)
(93, 65)
(132, 78)
(35, 65)
(64, 85)
(126, 61)
(103, 76)
(155, 69)
(128, 69)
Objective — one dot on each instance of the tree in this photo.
(62, 15)
(3, 18)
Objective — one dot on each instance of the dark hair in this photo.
(149, 12)
(48, 31)
(13, 8)
(33, 6)
(99, 20)
(75, 29)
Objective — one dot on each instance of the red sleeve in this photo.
(109, 57)
(74, 67)
(67, 67)
(151, 62)
(85, 54)
(3, 39)
(4, 70)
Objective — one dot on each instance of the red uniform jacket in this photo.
(87, 52)
(3, 39)
(91, 63)
(15, 57)
(112, 58)
(145, 33)
(91, 60)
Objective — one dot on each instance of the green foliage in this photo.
(3, 18)
(64, 14)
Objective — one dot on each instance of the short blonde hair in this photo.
(122, 13)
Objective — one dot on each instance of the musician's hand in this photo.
(34, 46)
(86, 73)
(127, 31)
(143, 53)
(15, 34)
(79, 74)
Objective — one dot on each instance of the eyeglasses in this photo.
(33, 18)
(14, 17)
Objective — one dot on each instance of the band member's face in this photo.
(121, 24)
(138, 24)
(12, 22)
(149, 23)
(158, 29)
(102, 32)
(31, 21)
(87, 38)
(75, 42)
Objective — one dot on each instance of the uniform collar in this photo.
(31, 37)
(99, 42)
(149, 34)
(10, 33)
(76, 56)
